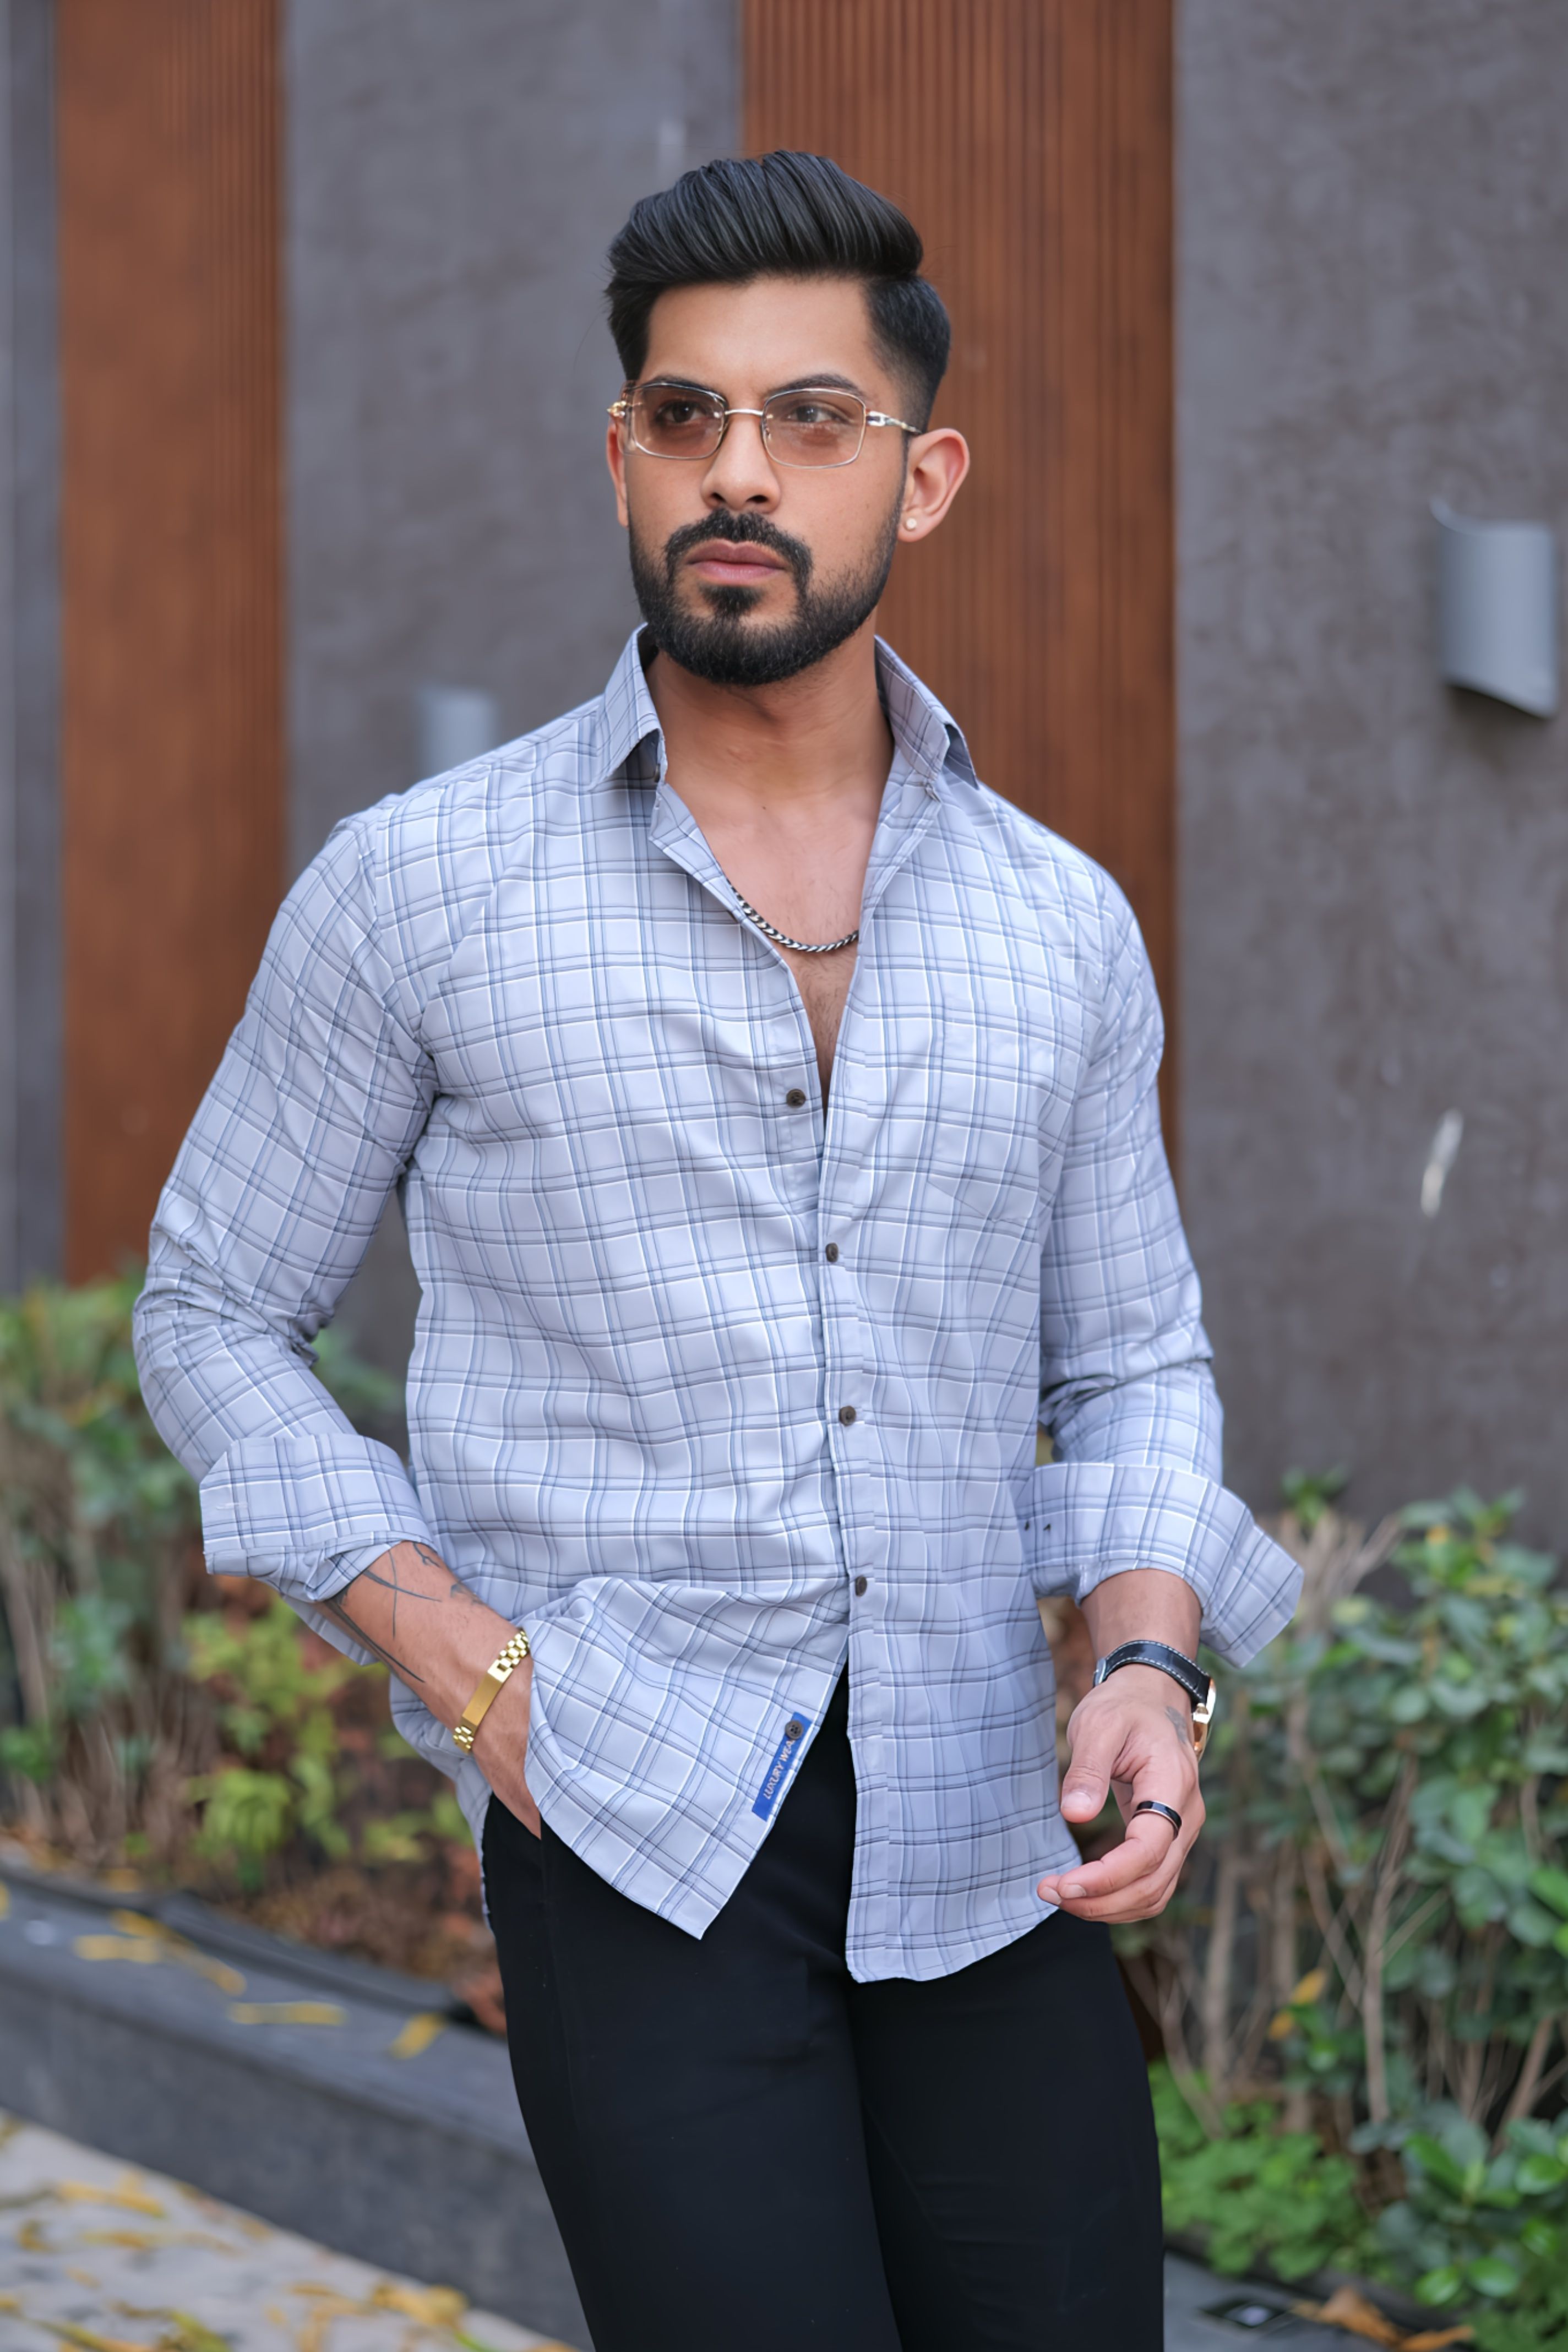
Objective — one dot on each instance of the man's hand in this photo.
(501, 1744)
(1132, 1734)
(439, 1638)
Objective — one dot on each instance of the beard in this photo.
(716, 643)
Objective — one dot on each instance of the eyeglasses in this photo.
(818, 426)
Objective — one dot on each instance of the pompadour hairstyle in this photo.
(780, 216)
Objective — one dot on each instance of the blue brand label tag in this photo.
(786, 1754)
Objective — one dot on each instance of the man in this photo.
(773, 1112)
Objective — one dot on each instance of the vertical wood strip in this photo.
(172, 749)
(1030, 141)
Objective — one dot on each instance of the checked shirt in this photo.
(712, 1389)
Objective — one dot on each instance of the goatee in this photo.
(716, 645)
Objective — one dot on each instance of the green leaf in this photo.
(1490, 2275)
(1537, 2175)
(1531, 1925)
(1551, 1886)
(1436, 2162)
(1441, 2286)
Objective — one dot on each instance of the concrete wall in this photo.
(1375, 900)
(29, 883)
(455, 173)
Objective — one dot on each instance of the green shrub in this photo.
(133, 1724)
(98, 1535)
(1371, 1947)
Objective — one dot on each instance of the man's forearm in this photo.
(413, 1613)
(438, 1637)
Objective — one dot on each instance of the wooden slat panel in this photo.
(1030, 142)
(171, 723)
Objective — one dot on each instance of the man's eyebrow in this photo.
(826, 378)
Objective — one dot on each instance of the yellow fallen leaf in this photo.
(1310, 1989)
(473, 2344)
(168, 1945)
(115, 1948)
(122, 1880)
(189, 2335)
(287, 2012)
(4, 1898)
(1348, 2309)
(31, 2239)
(433, 2306)
(1282, 2024)
(216, 1973)
(80, 2278)
(10, 2303)
(127, 2193)
(90, 2340)
(134, 2241)
(417, 2035)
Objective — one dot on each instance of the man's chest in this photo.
(610, 1024)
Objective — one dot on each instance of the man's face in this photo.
(748, 569)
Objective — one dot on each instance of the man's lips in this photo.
(730, 563)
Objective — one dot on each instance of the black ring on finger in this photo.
(1166, 1813)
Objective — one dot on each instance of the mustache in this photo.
(744, 529)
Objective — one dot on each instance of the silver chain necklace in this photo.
(783, 939)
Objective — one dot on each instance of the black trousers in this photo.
(748, 2152)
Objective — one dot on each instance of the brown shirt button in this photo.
(794, 1730)
(831, 1252)
(796, 1098)
(847, 1414)
(860, 1584)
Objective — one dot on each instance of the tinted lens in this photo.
(670, 420)
(815, 428)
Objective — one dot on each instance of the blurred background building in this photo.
(303, 380)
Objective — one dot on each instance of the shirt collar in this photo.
(928, 739)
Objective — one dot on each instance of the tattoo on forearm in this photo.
(1182, 1723)
(340, 1616)
(385, 1573)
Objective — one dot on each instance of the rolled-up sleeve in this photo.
(1126, 1390)
(319, 1099)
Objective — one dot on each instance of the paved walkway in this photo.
(105, 2259)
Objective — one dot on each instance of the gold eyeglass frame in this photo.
(622, 411)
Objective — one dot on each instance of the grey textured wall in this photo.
(29, 859)
(454, 175)
(1374, 310)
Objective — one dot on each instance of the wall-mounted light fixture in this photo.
(1497, 600)
(457, 723)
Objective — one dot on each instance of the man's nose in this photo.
(741, 473)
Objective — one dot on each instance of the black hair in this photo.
(780, 216)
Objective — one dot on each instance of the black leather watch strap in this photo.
(1174, 1663)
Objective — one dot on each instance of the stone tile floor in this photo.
(97, 2255)
(101, 2257)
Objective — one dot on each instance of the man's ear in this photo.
(938, 462)
(615, 459)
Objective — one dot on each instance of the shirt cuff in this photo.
(1096, 1519)
(306, 1510)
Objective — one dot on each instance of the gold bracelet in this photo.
(496, 1677)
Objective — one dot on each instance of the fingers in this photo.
(1097, 1744)
(1136, 1879)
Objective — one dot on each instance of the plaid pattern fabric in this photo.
(650, 1419)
